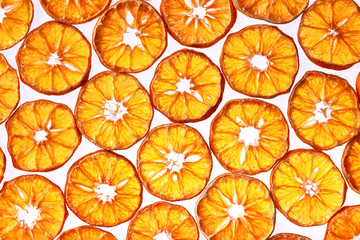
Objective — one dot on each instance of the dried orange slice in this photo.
(86, 233)
(288, 236)
(163, 220)
(198, 23)
(114, 110)
(351, 164)
(328, 33)
(2, 164)
(236, 206)
(307, 187)
(249, 136)
(260, 61)
(32, 208)
(323, 110)
(42, 135)
(174, 162)
(54, 58)
(130, 36)
(74, 11)
(187, 86)
(103, 189)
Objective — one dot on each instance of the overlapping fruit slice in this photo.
(198, 23)
(74, 11)
(307, 187)
(329, 33)
(42, 135)
(114, 110)
(163, 220)
(103, 189)
(174, 162)
(130, 36)
(236, 207)
(54, 58)
(32, 208)
(2, 164)
(351, 164)
(187, 86)
(260, 61)
(86, 233)
(288, 236)
(249, 135)
(323, 110)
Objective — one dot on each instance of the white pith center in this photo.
(40, 136)
(249, 136)
(114, 110)
(236, 211)
(29, 216)
(54, 59)
(260, 62)
(105, 192)
(322, 112)
(199, 12)
(175, 161)
(311, 188)
(184, 85)
(163, 236)
(131, 37)
(333, 32)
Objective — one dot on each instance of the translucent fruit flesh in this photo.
(351, 164)
(288, 236)
(2, 164)
(86, 233)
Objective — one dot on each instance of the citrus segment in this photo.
(130, 36)
(54, 58)
(174, 162)
(288, 236)
(351, 164)
(103, 189)
(2, 164)
(163, 220)
(198, 23)
(86, 233)
(32, 208)
(236, 207)
(114, 110)
(323, 110)
(260, 61)
(307, 187)
(187, 86)
(42, 136)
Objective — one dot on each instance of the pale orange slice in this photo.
(351, 164)
(86, 233)
(288, 236)
(2, 164)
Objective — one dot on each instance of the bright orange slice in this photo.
(32, 208)
(307, 187)
(249, 136)
(260, 61)
(54, 58)
(236, 207)
(86, 233)
(187, 86)
(288, 236)
(174, 162)
(114, 110)
(351, 164)
(130, 36)
(42, 135)
(328, 33)
(198, 23)
(163, 220)
(2, 164)
(323, 110)
(103, 189)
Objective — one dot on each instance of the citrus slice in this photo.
(103, 189)
(249, 136)
(130, 36)
(328, 33)
(32, 208)
(274, 11)
(42, 136)
(163, 220)
(74, 11)
(114, 110)
(288, 236)
(54, 58)
(2, 164)
(9, 89)
(174, 162)
(198, 23)
(187, 86)
(307, 187)
(260, 61)
(86, 233)
(236, 207)
(323, 110)
(351, 164)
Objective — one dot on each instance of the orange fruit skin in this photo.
(2, 164)
(346, 165)
(357, 83)
(87, 231)
(288, 236)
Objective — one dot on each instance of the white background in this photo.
(58, 176)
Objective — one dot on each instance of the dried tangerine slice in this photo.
(130, 36)
(54, 58)
(198, 23)
(249, 136)
(328, 33)
(236, 207)
(174, 162)
(260, 61)
(86, 233)
(2, 164)
(351, 164)
(162, 220)
(32, 208)
(103, 189)
(187, 86)
(307, 187)
(114, 110)
(323, 110)
(288, 236)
